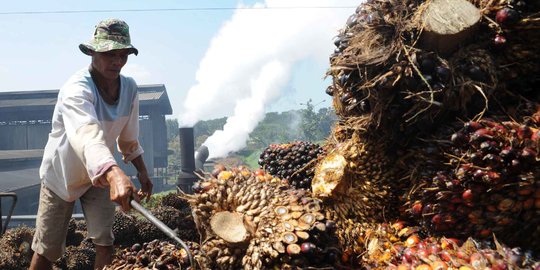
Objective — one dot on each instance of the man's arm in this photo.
(142, 175)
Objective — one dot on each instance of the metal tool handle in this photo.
(3, 227)
(164, 228)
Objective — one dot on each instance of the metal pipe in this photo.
(200, 157)
(14, 202)
(164, 228)
(187, 149)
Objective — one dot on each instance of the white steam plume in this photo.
(249, 111)
(249, 62)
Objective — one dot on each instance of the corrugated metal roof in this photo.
(153, 96)
(27, 102)
(18, 179)
(21, 154)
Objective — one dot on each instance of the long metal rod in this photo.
(164, 228)
(14, 202)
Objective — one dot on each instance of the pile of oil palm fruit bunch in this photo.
(257, 221)
(397, 246)
(292, 161)
(160, 255)
(435, 128)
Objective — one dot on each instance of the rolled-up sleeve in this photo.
(128, 141)
(84, 132)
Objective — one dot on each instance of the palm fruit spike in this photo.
(355, 179)
(124, 229)
(292, 161)
(173, 200)
(490, 189)
(76, 258)
(269, 217)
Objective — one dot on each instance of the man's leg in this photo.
(51, 229)
(103, 256)
(98, 211)
(40, 263)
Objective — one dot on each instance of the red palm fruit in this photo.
(412, 240)
(434, 248)
(449, 243)
(445, 255)
(524, 132)
(472, 126)
(409, 254)
(416, 209)
(485, 233)
(482, 134)
(462, 255)
(467, 195)
(507, 15)
(436, 219)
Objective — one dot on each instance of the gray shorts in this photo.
(54, 215)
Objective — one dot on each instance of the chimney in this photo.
(189, 163)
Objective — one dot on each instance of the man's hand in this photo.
(146, 186)
(122, 189)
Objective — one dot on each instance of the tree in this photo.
(172, 128)
(309, 123)
(316, 126)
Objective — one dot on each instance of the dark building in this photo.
(25, 122)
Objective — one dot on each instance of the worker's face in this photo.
(109, 64)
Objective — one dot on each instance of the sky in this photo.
(237, 59)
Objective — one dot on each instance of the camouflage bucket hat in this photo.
(110, 34)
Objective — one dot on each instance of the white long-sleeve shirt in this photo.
(84, 131)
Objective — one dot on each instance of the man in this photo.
(96, 109)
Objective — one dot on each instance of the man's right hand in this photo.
(121, 188)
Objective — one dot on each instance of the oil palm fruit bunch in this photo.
(168, 215)
(493, 186)
(184, 222)
(74, 236)
(355, 178)
(124, 229)
(76, 258)
(15, 248)
(259, 222)
(174, 200)
(151, 255)
(292, 161)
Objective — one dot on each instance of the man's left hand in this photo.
(146, 186)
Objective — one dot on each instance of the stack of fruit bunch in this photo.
(397, 246)
(491, 185)
(259, 222)
(293, 161)
(15, 248)
(395, 64)
(156, 254)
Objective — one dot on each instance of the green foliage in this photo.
(252, 160)
(172, 128)
(316, 126)
(155, 199)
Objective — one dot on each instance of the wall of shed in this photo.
(22, 137)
